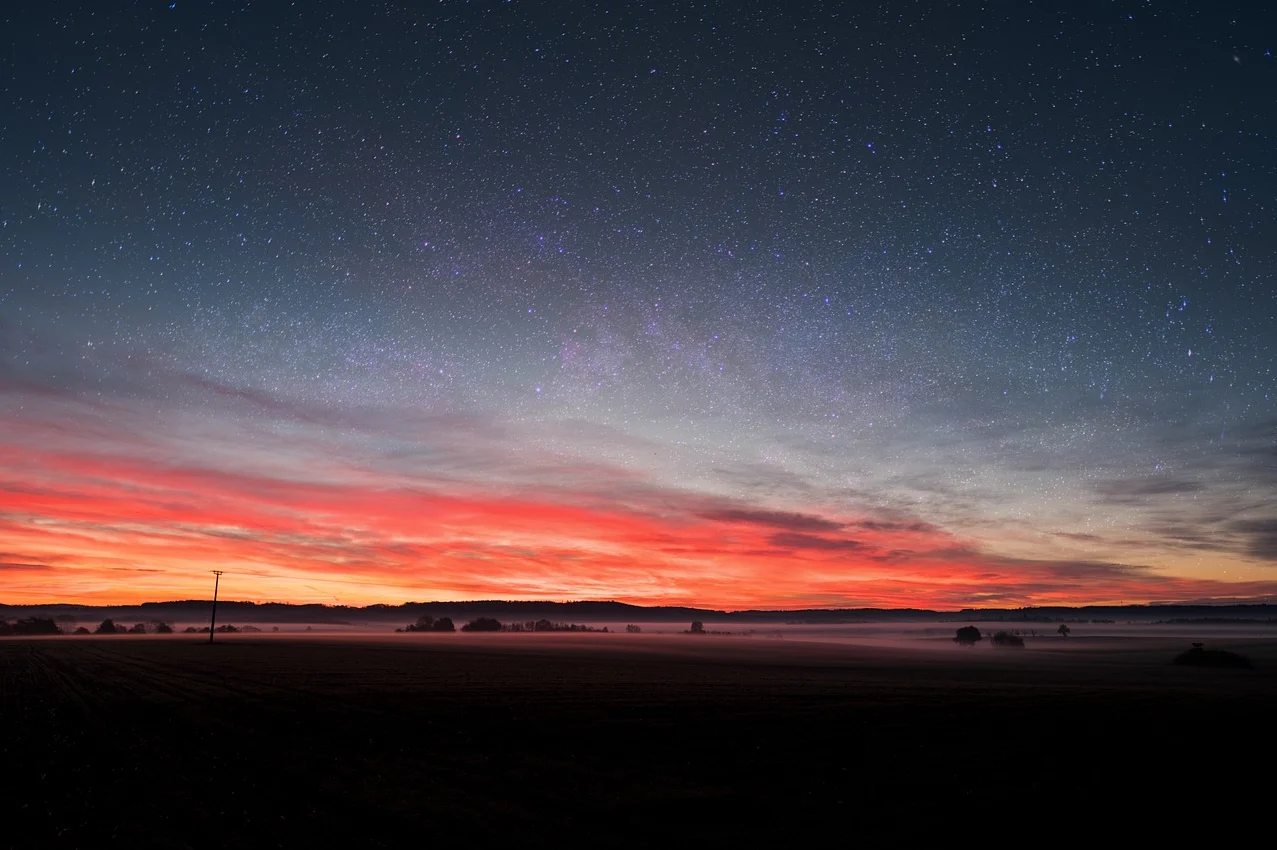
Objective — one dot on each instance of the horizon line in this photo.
(1206, 603)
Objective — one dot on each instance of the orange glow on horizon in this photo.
(115, 529)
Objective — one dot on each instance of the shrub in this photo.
(1008, 639)
(482, 624)
(968, 636)
(106, 627)
(430, 624)
(633, 629)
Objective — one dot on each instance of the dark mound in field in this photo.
(1199, 656)
(1008, 639)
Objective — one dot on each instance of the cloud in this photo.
(794, 540)
(1261, 537)
(1127, 490)
(18, 566)
(392, 504)
(893, 525)
(1078, 535)
(773, 519)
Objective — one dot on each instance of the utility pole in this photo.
(212, 624)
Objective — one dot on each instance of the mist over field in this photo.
(869, 627)
(1102, 645)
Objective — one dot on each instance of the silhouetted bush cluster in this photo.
(430, 624)
(1199, 656)
(51, 626)
(968, 636)
(30, 626)
(110, 627)
(489, 624)
(547, 626)
(482, 624)
(698, 628)
(1007, 639)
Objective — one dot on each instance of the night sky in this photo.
(731, 304)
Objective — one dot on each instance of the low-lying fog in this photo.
(917, 636)
(803, 641)
(871, 632)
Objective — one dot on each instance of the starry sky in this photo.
(732, 304)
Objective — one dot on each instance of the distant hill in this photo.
(197, 611)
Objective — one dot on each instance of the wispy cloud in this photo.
(395, 503)
(773, 519)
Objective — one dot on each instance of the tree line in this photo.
(36, 626)
(490, 624)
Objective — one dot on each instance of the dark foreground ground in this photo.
(621, 741)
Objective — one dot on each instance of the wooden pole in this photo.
(212, 624)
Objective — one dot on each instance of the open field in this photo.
(619, 740)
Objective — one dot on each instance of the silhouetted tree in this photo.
(138, 629)
(543, 626)
(444, 624)
(1063, 630)
(482, 624)
(36, 626)
(968, 636)
(423, 624)
(106, 627)
(163, 629)
(82, 631)
(698, 628)
(633, 629)
(191, 630)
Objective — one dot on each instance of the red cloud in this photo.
(74, 523)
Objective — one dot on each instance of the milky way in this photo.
(724, 303)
